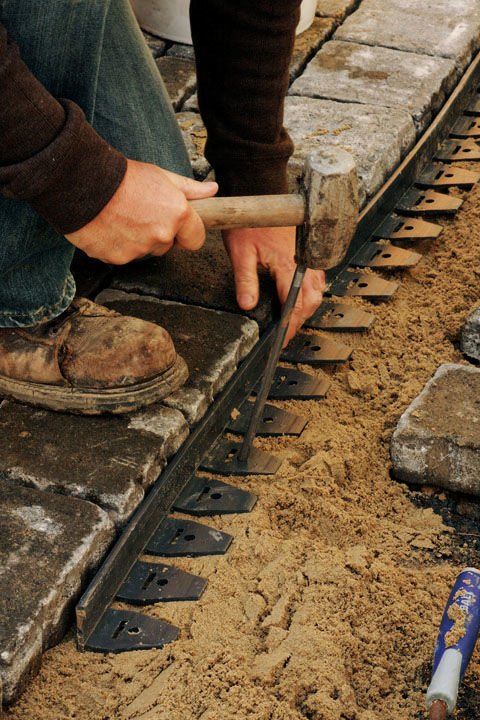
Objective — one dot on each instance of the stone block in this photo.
(470, 338)
(191, 105)
(307, 44)
(179, 76)
(377, 138)
(181, 50)
(337, 9)
(348, 72)
(195, 136)
(437, 439)
(211, 342)
(108, 460)
(49, 543)
(204, 277)
(445, 28)
(156, 45)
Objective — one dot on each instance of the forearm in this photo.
(49, 155)
(243, 50)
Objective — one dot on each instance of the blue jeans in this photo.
(92, 52)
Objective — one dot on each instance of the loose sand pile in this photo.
(328, 604)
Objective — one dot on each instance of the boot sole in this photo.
(95, 402)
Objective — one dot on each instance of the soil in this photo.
(328, 604)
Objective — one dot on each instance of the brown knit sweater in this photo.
(52, 158)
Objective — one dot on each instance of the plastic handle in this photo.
(466, 595)
(450, 663)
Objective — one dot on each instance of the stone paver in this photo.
(445, 28)
(203, 278)
(437, 439)
(350, 72)
(308, 42)
(470, 338)
(211, 342)
(179, 76)
(376, 137)
(181, 50)
(195, 136)
(337, 9)
(109, 460)
(48, 545)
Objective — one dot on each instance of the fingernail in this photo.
(246, 300)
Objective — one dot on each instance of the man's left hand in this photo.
(273, 249)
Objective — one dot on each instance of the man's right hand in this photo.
(147, 213)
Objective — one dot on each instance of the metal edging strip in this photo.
(155, 507)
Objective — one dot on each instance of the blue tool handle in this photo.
(466, 595)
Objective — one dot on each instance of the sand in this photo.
(328, 604)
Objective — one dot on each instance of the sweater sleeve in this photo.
(243, 50)
(49, 155)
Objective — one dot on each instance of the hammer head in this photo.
(330, 186)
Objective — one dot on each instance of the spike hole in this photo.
(449, 175)
(429, 201)
(315, 348)
(339, 315)
(231, 455)
(408, 227)
(149, 579)
(204, 493)
(133, 631)
(387, 255)
(268, 420)
(189, 538)
(216, 496)
(176, 536)
(292, 383)
(162, 582)
(363, 284)
(120, 627)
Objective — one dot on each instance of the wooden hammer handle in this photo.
(227, 213)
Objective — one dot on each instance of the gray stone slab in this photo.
(437, 439)
(337, 9)
(211, 342)
(49, 543)
(191, 105)
(157, 45)
(349, 72)
(470, 338)
(109, 460)
(378, 138)
(308, 43)
(204, 277)
(181, 50)
(445, 28)
(195, 136)
(179, 76)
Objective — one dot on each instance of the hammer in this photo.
(325, 213)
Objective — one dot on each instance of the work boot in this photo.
(89, 360)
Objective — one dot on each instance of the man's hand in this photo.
(274, 249)
(147, 213)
